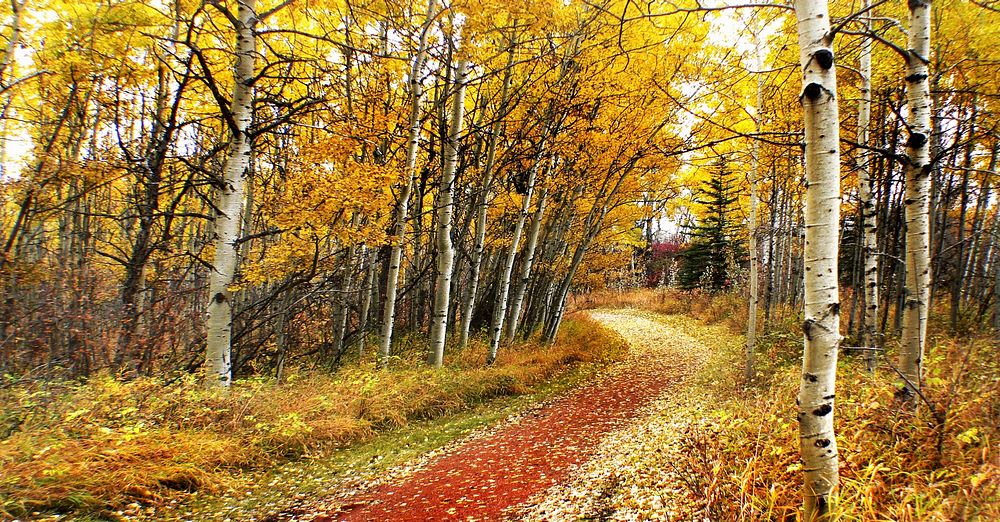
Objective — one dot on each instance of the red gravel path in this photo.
(489, 475)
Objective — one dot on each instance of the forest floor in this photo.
(556, 461)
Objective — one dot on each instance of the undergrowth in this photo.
(101, 444)
(734, 451)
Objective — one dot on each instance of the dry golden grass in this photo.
(741, 461)
(105, 443)
(725, 308)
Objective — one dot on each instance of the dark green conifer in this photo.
(715, 252)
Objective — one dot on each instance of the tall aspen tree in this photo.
(402, 205)
(500, 312)
(484, 200)
(821, 327)
(869, 317)
(917, 199)
(517, 300)
(445, 208)
(227, 224)
(591, 227)
(748, 370)
(366, 302)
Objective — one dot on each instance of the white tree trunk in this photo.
(817, 443)
(748, 369)
(500, 312)
(869, 242)
(366, 303)
(445, 208)
(402, 205)
(226, 226)
(917, 196)
(517, 300)
(483, 205)
(342, 308)
(8, 58)
(592, 227)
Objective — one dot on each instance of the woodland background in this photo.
(307, 187)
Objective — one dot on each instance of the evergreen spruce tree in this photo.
(715, 251)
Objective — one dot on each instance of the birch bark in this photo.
(917, 199)
(402, 205)
(445, 207)
(500, 312)
(869, 240)
(366, 302)
(483, 205)
(218, 363)
(821, 328)
(748, 370)
(529, 259)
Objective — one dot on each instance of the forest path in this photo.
(494, 476)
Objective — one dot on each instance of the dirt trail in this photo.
(489, 477)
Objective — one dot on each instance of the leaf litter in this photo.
(580, 455)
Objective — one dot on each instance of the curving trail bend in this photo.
(494, 476)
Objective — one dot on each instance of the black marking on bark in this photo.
(810, 377)
(823, 410)
(835, 308)
(916, 140)
(822, 443)
(824, 57)
(807, 327)
(812, 91)
(829, 397)
(219, 297)
(915, 4)
(916, 78)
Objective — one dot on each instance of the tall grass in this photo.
(937, 463)
(103, 443)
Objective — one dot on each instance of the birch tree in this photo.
(482, 207)
(869, 318)
(503, 292)
(748, 370)
(500, 311)
(517, 300)
(917, 199)
(410, 170)
(227, 224)
(445, 204)
(821, 328)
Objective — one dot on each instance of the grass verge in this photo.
(727, 452)
(104, 447)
